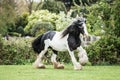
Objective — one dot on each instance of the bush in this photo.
(41, 27)
(54, 6)
(105, 51)
(17, 51)
(14, 34)
(1, 46)
(56, 21)
(40, 16)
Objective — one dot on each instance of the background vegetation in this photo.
(35, 18)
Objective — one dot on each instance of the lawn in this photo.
(27, 72)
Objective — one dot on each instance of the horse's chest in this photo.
(73, 42)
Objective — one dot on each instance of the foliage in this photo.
(7, 15)
(95, 23)
(39, 16)
(20, 23)
(18, 27)
(102, 18)
(115, 8)
(1, 44)
(16, 51)
(63, 21)
(14, 34)
(41, 27)
(93, 15)
(58, 21)
(53, 6)
(106, 13)
(105, 51)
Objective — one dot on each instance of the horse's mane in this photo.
(72, 27)
(67, 30)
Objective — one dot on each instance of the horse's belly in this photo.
(59, 46)
(59, 43)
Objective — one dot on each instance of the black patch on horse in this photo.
(73, 42)
(74, 31)
(38, 44)
(73, 39)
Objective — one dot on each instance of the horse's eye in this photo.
(79, 21)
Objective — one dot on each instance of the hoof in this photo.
(40, 66)
(58, 66)
(77, 67)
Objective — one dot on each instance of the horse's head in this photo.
(80, 23)
(76, 27)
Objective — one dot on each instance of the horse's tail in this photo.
(37, 44)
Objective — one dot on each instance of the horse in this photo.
(66, 40)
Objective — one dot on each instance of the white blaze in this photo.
(85, 29)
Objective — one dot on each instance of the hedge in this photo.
(18, 50)
(106, 51)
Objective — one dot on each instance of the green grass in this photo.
(27, 72)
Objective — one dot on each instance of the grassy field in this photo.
(27, 72)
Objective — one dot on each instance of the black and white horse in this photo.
(67, 39)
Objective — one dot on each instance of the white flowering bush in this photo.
(58, 21)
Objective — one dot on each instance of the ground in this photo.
(27, 72)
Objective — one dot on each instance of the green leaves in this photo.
(104, 51)
(16, 51)
(46, 20)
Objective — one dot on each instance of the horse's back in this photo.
(39, 43)
(49, 35)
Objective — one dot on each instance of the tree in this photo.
(116, 17)
(70, 3)
(111, 17)
(21, 7)
(30, 5)
(7, 15)
(54, 6)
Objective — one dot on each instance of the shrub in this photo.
(40, 16)
(1, 46)
(54, 6)
(41, 27)
(14, 34)
(17, 51)
(56, 21)
(105, 51)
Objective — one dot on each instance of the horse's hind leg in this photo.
(38, 62)
(56, 64)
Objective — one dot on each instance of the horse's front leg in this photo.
(56, 64)
(83, 58)
(77, 66)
